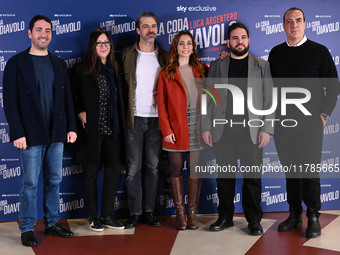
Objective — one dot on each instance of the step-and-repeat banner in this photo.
(208, 21)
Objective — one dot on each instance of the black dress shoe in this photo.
(58, 230)
(151, 219)
(293, 221)
(28, 239)
(313, 229)
(255, 228)
(133, 221)
(221, 224)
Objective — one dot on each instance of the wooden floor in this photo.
(167, 240)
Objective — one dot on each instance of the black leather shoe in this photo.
(221, 224)
(151, 219)
(293, 221)
(28, 239)
(133, 221)
(313, 228)
(58, 230)
(255, 228)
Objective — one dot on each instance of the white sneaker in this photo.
(95, 224)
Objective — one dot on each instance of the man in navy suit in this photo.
(39, 110)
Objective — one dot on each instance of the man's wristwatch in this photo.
(326, 116)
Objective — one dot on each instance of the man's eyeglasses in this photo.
(100, 44)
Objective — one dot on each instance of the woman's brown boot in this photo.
(176, 188)
(194, 187)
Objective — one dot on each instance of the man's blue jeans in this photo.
(143, 149)
(33, 159)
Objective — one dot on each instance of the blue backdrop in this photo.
(208, 21)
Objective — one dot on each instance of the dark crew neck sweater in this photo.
(303, 66)
(44, 74)
(237, 75)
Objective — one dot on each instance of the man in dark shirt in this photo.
(39, 110)
(238, 138)
(302, 62)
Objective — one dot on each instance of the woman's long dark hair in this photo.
(91, 57)
(170, 67)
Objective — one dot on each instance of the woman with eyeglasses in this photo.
(178, 101)
(98, 104)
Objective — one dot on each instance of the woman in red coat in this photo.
(178, 101)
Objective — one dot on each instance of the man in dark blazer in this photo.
(242, 135)
(39, 110)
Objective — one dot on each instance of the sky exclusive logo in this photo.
(198, 8)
